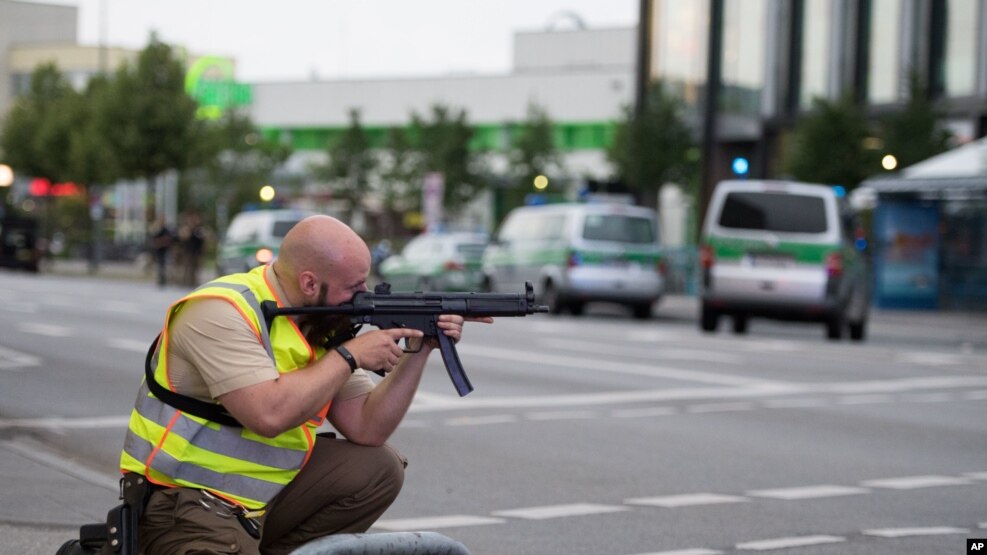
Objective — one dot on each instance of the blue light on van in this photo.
(839, 190)
(860, 244)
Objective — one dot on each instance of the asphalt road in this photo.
(592, 435)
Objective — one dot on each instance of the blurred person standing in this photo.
(161, 240)
(244, 471)
(191, 240)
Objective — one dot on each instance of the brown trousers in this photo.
(344, 488)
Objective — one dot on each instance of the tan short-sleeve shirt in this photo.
(213, 350)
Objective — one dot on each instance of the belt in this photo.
(226, 509)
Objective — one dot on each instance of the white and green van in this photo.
(577, 253)
(782, 250)
(254, 238)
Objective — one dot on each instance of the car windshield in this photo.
(618, 228)
(780, 212)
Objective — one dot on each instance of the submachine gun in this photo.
(420, 310)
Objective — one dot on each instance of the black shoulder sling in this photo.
(210, 411)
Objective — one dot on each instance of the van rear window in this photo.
(774, 212)
(281, 227)
(622, 229)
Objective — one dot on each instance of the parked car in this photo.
(20, 246)
(254, 238)
(786, 251)
(576, 253)
(436, 262)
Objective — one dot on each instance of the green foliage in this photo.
(533, 150)
(150, 122)
(912, 134)
(398, 177)
(237, 161)
(653, 148)
(443, 146)
(351, 162)
(829, 145)
(35, 137)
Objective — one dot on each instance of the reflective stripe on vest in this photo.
(177, 449)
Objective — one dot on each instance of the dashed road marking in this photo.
(695, 551)
(560, 415)
(686, 500)
(976, 475)
(476, 420)
(915, 482)
(784, 543)
(807, 492)
(800, 403)
(560, 511)
(15, 360)
(643, 412)
(49, 330)
(64, 423)
(720, 407)
(128, 344)
(435, 522)
(873, 399)
(915, 531)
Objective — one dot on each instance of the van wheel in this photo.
(740, 324)
(641, 311)
(577, 309)
(550, 297)
(709, 320)
(834, 327)
(858, 330)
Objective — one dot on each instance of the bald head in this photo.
(321, 249)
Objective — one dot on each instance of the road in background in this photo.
(598, 434)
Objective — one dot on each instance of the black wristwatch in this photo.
(348, 357)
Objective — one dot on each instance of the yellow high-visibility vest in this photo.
(174, 448)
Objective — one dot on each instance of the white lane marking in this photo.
(426, 399)
(481, 420)
(916, 531)
(686, 500)
(426, 523)
(904, 384)
(931, 359)
(607, 365)
(28, 450)
(807, 492)
(119, 307)
(62, 423)
(927, 397)
(777, 346)
(693, 551)
(982, 525)
(976, 475)
(648, 352)
(915, 482)
(128, 344)
(784, 543)
(720, 407)
(559, 511)
(15, 360)
(561, 415)
(49, 330)
(872, 399)
(643, 412)
(806, 402)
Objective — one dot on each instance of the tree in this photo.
(652, 146)
(398, 173)
(150, 121)
(351, 163)
(35, 138)
(443, 146)
(237, 160)
(829, 145)
(532, 153)
(912, 134)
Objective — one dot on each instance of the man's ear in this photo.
(308, 282)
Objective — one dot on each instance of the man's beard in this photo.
(326, 330)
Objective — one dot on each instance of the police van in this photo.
(254, 238)
(783, 250)
(577, 253)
